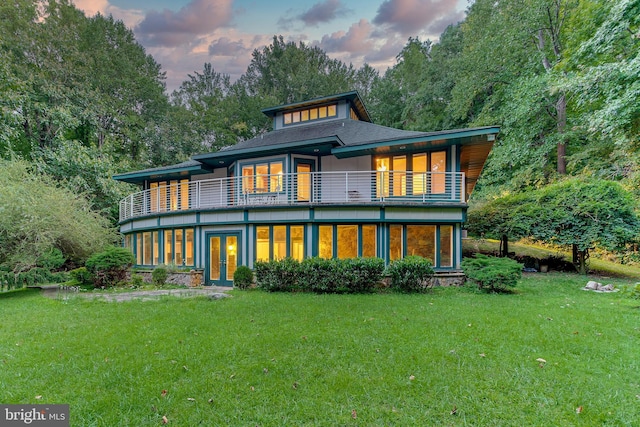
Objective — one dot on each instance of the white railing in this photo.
(365, 187)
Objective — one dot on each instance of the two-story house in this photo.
(325, 182)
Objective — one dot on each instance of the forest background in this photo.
(81, 100)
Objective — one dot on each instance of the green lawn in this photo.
(450, 357)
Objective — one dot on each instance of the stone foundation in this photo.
(191, 278)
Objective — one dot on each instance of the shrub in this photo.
(278, 275)
(356, 275)
(81, 276)
(51, 259)
(410, 274)
(137, 281)
(159, 275)
(360, 275)
(243, 277)
(632, 291)
(492, 274)
(109, 267)
(318, 275)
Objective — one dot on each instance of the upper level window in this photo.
(169, 195)
(308, 114)
(262, 177)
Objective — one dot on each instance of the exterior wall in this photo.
(242, 224)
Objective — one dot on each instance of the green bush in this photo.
(492, 274)
(243, 277)
(137, 281)
(159, 275)
(359, 275)
(632, 291)
(320, 275)
(81, 276)
(51, 259)
(410, 274)
(109, 267)
(278, 275)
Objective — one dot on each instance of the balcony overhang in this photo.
(426, 141)
(173, 172)
(313, 147)
(475, 145)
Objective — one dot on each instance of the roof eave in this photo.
(444, 138)
(141, 176)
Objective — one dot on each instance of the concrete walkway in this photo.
(213, 292)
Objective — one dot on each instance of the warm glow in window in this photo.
(369, 241)
(297, 242)
(310, 114)
(419, 174)
(146, 255)
(347, 241)
(184, 194)
(399, 175)
(446, 246)
(395, 242)
(382, 177)
(325, 241)
(156, 248)
(438, 172)
(279, 242)
(421, 241)
(262, 243)
(168, 246)
(189, 246)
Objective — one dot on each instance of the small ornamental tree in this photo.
(110, 266)
(492, 274)
(581, 212)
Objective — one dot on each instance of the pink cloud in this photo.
(356, 41)
(169, 28)
(410, 17)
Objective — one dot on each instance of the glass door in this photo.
(303, 180)
(222, 261)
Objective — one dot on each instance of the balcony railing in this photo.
(315, 188)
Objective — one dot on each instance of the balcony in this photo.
(298, 189)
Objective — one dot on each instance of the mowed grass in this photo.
(450, 357)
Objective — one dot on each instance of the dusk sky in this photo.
(184, 34)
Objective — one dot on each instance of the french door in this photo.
(223, 256)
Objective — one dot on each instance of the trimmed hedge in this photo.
(355, 275)
(411, 274)
(492, 274)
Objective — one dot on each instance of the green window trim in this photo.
(290, 243)
(342, 242)
(405, 238)
(172, 246)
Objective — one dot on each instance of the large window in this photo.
(314, 113)
(412, 174)
(347, 241)
(169, 195)
(434, 242)
(262, 177)
(179, 246)
(279, 241)
(147, 248)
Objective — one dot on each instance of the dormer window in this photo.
(309, 114)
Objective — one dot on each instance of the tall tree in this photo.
(286, 72)
(510, 61)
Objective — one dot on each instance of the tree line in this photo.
(80, 99)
